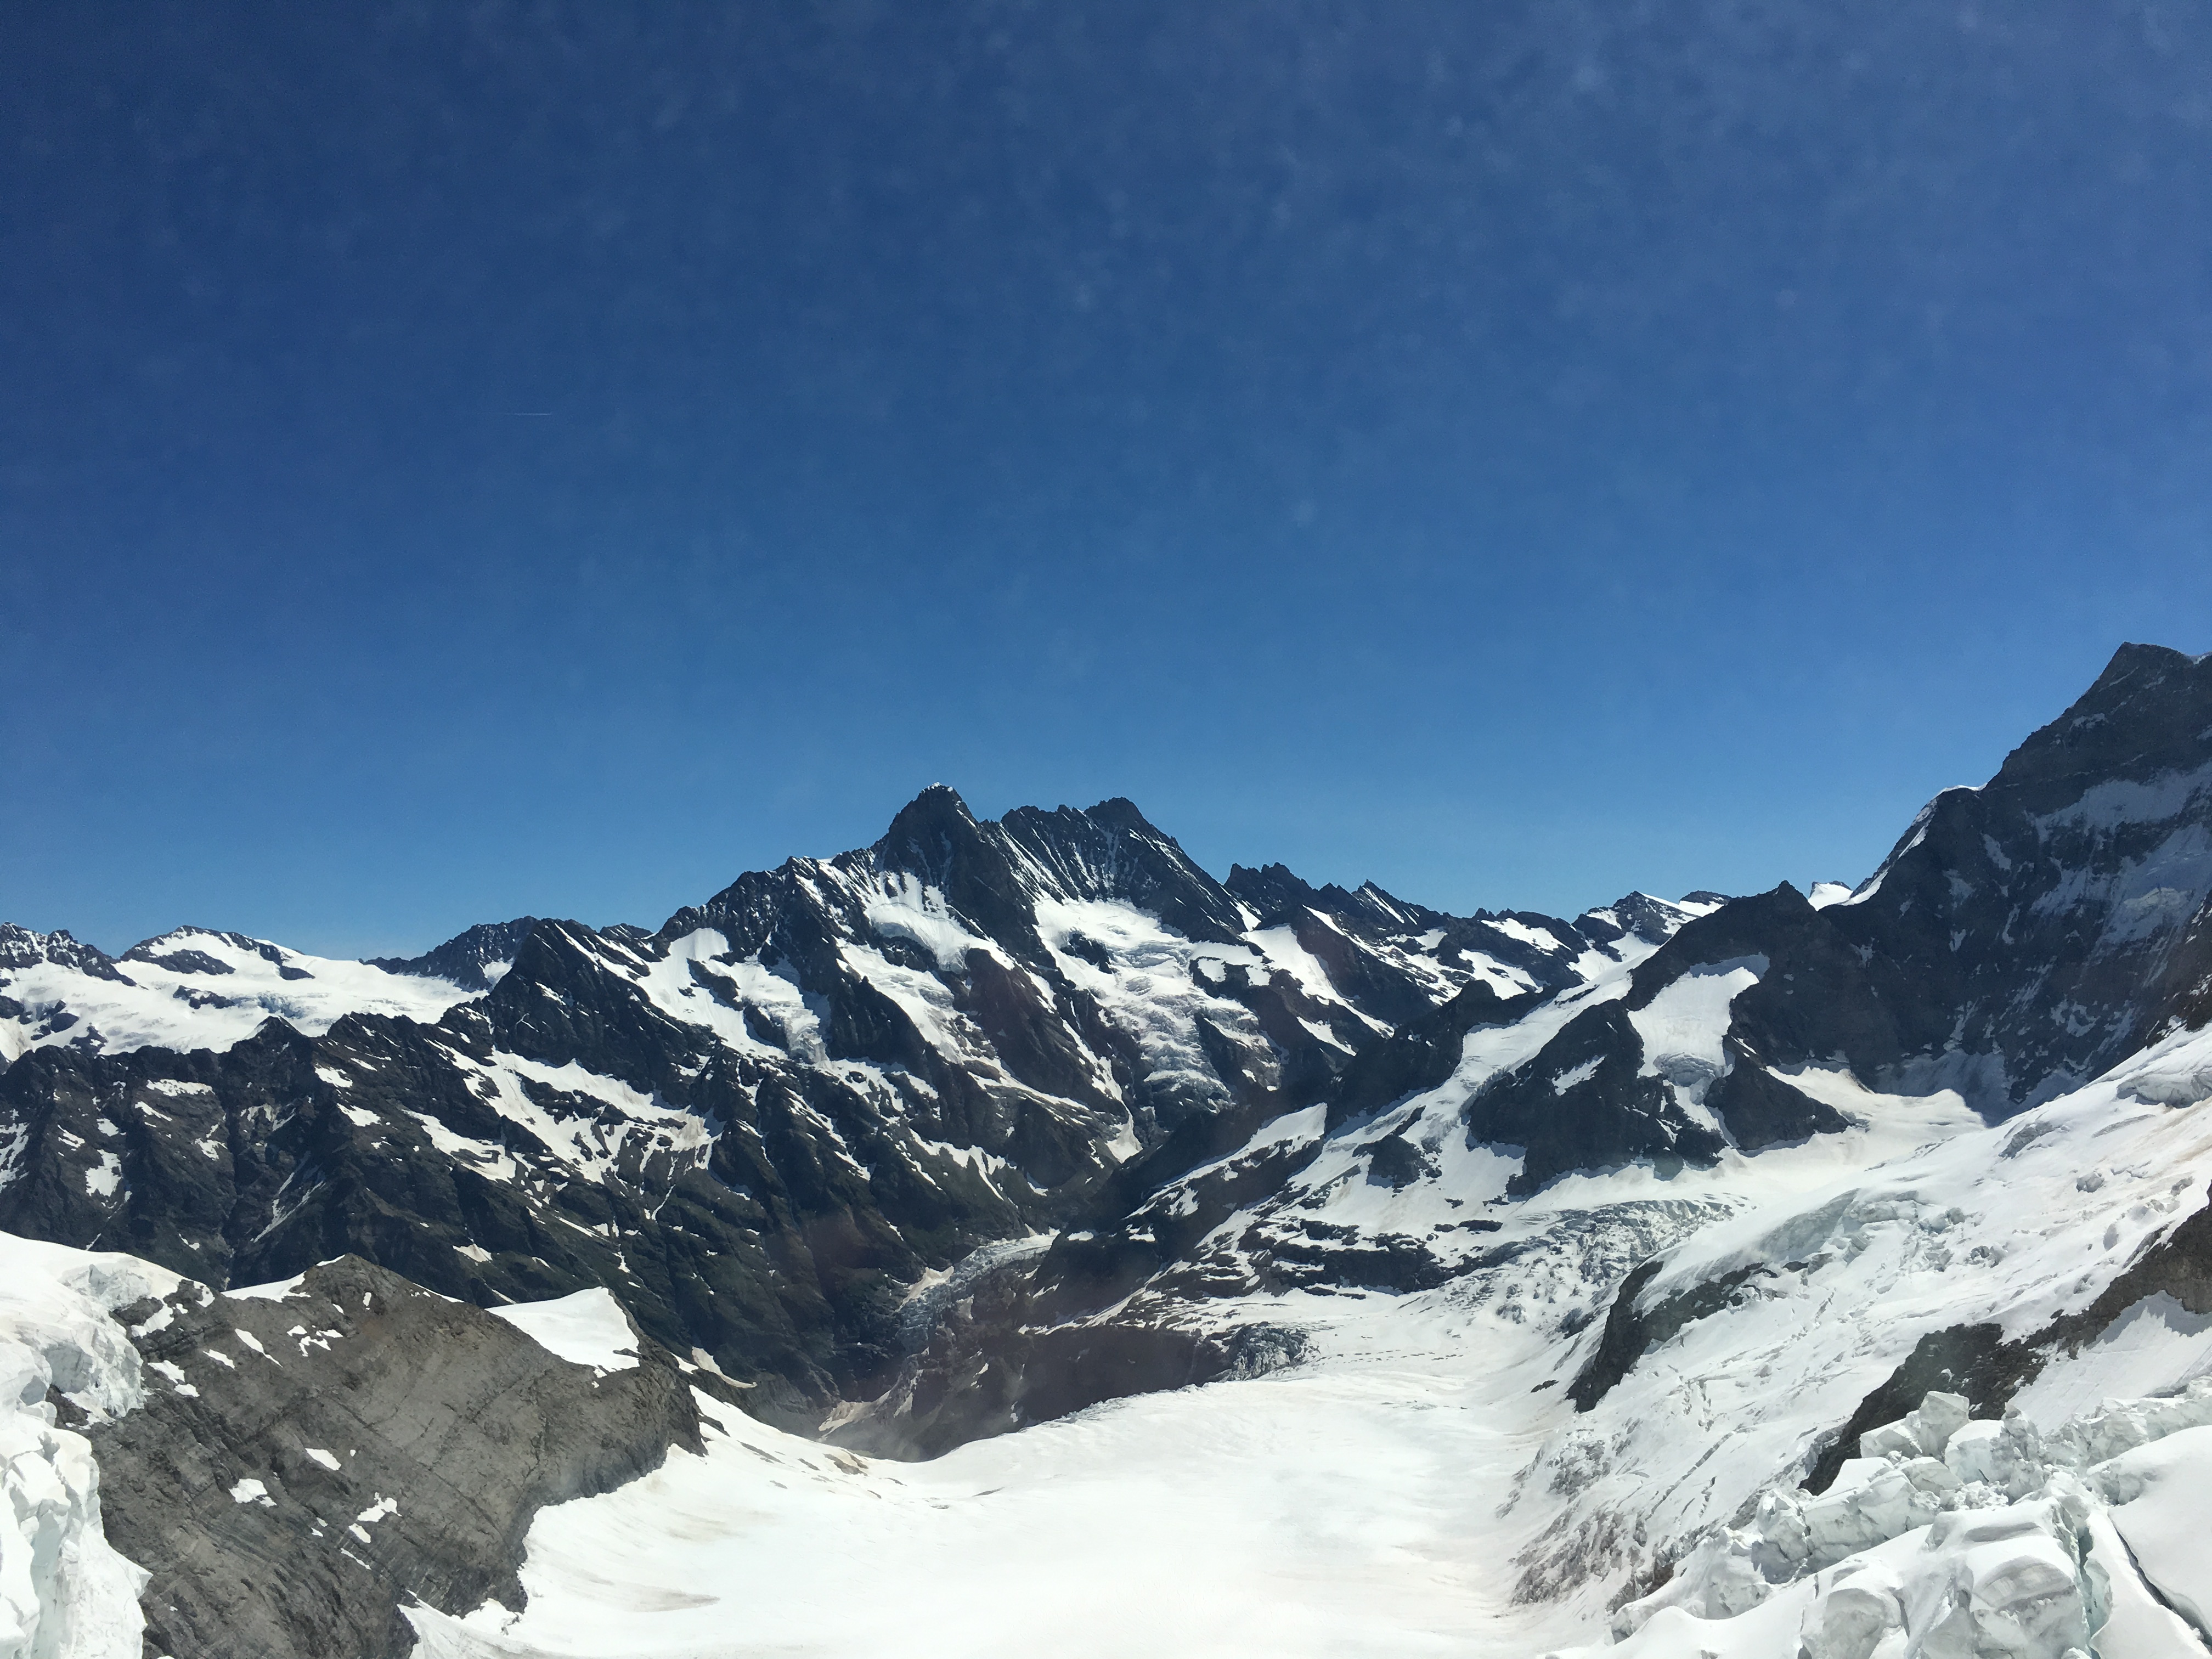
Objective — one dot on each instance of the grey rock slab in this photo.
(304, 1463)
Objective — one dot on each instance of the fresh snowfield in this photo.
(587, 1328)
(196, 988)
(1338, 1513)
(1272, 1517)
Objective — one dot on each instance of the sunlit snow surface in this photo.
(1329, 1514)
(1351, 1506)
(183, 1004)
(585, 1329)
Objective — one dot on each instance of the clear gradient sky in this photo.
(463, 461)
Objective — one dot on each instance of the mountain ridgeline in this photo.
(969, 1127)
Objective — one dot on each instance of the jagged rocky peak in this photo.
(22, 948)
(986, 878)
(2031, 931)
(473, 958)
(1273, 890)
(2022, 937)
(1112, 853)
(2143, 722)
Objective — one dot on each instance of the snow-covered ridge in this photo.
(190, 989)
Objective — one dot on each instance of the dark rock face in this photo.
(990, 1369)
(2054, 920)
(1760, 1111)
(464, 958)
(1632, 1330)
(303, 1465)
(1584, 1103)
(1420, 1054)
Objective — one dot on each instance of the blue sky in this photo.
(459, 463)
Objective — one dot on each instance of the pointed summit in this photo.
(932, 821)
(2148, 713)
(937, 840)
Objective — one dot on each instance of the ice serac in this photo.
(65, 1591)
(1950, 1535)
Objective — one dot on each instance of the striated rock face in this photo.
(309, 1457)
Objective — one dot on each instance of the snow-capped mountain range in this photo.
(1580, 1264)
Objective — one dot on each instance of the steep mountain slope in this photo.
(2021, 936)
(2028, 934)
(306, 1457)
(765, 1125)
(275, 1472)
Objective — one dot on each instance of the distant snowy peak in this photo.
(21, 948)
(1653, 920)
(193, 988)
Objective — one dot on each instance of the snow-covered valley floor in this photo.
(1347, 1512)
(1356, 1504)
